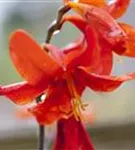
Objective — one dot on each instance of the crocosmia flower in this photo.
(62, 79)
(120, 36)
(62, 76)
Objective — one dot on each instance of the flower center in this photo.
(76, 102)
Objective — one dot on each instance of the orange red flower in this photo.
(64, 74)
(118, 35)
(62, 79)
(71, 70)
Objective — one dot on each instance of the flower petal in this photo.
(66, 56)
(118, 7)
(74, 46)
(98, 3)
(105, 64)
(73, 53)
(75, 49)
(71, 135)
(55, 53)
(22, 93)
(84, 53)
(56, 105)
(76, 20)
(32, 62)
(85, 141)
(102, 83)
(99, 59)
(127, 46)
(67, 137)
(100, 20)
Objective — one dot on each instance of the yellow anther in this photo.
(76, 102)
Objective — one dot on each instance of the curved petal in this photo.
(77, 44)
(105, 64)
(117, 7)
(22, 93)
(98, 59)
(98, 3)
(76, 20)
(76, 48)
(55, 53)
(84, 53)
(56, 106)
(101, 82)
(100, 20)
(127, 46)
(72, 54)
(66, 55)
(87, 56)
(32, 62)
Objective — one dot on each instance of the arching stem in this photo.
(56, 24)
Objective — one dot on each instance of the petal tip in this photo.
(15, 34)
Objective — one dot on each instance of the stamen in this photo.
(76, 102)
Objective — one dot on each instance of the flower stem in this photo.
(41, 142)
(56, 25)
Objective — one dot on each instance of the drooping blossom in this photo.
(119, 35)
(62, 96)
(62, 75)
